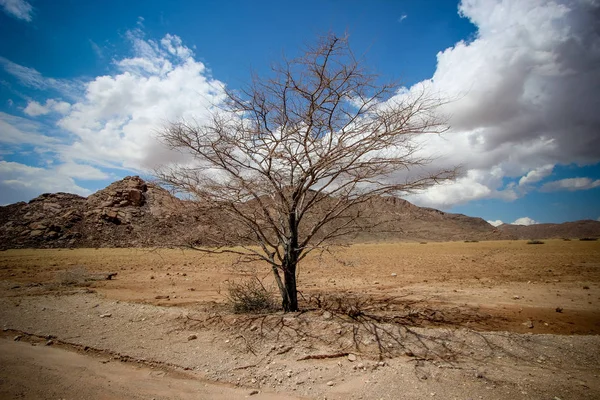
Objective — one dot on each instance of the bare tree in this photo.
(292, 159)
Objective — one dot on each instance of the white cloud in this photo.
(402, 17)
(35, 109)
(20, 9)
(32, 78)
(524, 221)
(18, 131)
(118, 118)
(570, 184)
(523, 94)
(19, 182)
(113, 119)
(495, 223)
(536, 175)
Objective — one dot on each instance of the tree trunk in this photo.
(290, 262)
(290, 303)
(285, 301)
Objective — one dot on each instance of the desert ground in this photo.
(455, 320)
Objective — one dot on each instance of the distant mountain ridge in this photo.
(134, 213)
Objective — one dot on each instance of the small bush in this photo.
(250, 296)
(535, 242)
(423, 243)
(471, 241)
(588, 239)
(566, 239)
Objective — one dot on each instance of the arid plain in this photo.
(494, 320)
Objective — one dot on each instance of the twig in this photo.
(280, 352)
(323, 356)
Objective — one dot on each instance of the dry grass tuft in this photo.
(250, 297)
(535, 242)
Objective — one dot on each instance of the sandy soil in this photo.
(452, 320)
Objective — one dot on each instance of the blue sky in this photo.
(84, 86)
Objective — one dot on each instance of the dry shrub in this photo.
(250, 297)
(588, 239)
(535, 242)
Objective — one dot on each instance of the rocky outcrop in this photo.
(45, 219)
(128, 213)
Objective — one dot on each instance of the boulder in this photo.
(136, 197)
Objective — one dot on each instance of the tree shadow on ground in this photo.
(381, 328)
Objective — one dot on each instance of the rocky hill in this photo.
(567, 230)
(135, 213)
(128, 213)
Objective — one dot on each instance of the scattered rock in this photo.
(253, 392)
(107, 315)
(528, 324)
(330, 383)
(327, 315)
(49, 342)
(18, 338)
(559, 309)
(394, 274)
(192, 337)
(351, 357)
(161, 297)
(515, 297)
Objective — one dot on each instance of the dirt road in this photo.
(45, 372)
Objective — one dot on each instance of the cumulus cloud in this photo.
(112, 120)
(116, 122)
(19, 182)
(524, 221)
(34, 108)
(523, 97)
(495, 223)
(19, 9)
(536, 175)
(570, 184)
